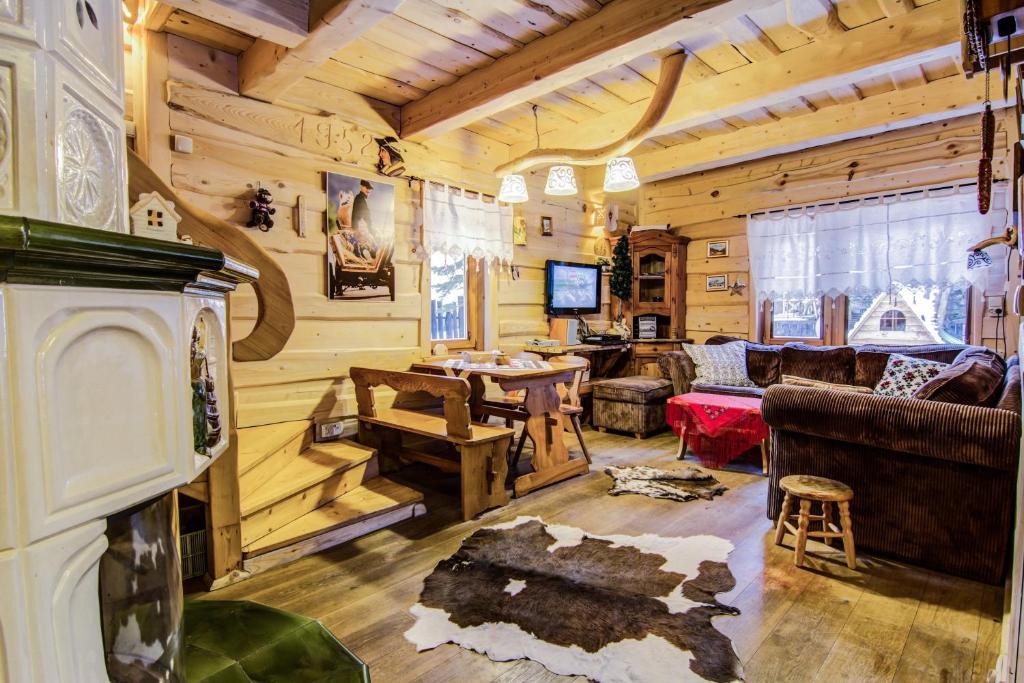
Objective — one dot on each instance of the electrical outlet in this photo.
(995, 306)
(329, 430)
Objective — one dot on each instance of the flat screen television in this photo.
(572, 288)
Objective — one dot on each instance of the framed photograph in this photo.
(718, 248)
(547, 227)
(717, 283)
(360, 238)
(519, 231)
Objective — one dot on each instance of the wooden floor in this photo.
(884, 622)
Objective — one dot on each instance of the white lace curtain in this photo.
(459, 224)
(871, 246)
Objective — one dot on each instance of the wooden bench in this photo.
(481, 449)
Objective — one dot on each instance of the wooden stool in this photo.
(825, 491)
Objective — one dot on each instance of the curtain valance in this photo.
(458, 225)
(869, 246)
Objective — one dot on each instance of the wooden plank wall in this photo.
(714, 204)
(576, 227)
(238, 142)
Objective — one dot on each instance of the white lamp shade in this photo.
(513, 190)
(620, 175)
(561, 182)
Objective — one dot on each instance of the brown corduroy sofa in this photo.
(934, 482)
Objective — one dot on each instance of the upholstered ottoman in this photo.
(631, 404)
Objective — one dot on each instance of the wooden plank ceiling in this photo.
(798, 59)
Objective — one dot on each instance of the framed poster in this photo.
(717, 283)
(360, 238)
(547, 226)
(519, 231)
(718, 248)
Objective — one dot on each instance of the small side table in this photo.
(808, 490)
(718, 428)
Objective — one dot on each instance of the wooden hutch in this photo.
(659, 294)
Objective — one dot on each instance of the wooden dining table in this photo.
(551, 462)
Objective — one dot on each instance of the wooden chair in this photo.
(571, 408)
(481, 449)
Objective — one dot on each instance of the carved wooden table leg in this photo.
(550, 461)
(681, 451)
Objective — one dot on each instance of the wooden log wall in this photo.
(238, 142)
(713, 205)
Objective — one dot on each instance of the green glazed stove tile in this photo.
(243, 642)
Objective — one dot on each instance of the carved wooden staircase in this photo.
(298, 497)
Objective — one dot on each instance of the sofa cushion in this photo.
(872, 358)
(833, 364)
(1009, 397)
(724, 364)
(904, 375)
(764, 365)
(815, 384)
(752, 392)
(974, 378)
(633, 389)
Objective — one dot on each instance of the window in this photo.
(893, 321)
(453, 301)
(794, 319)
(910, 316)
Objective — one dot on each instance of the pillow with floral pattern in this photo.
(904, 375)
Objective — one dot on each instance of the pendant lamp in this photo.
(513, 189)
(561, 182)
(620, 175)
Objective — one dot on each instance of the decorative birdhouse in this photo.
(153, 216)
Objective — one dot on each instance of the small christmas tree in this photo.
(620, 282)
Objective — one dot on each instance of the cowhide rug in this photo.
(684, 484)
(611, 608)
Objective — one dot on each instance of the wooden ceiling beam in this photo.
(818, 19)
(930, 32)
(622, 31)
(284, 22)
(267, 69)
(937, 101)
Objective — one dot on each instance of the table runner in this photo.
(717, 428)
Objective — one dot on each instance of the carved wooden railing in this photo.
(275, 318)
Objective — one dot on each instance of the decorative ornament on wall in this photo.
(519, 231)
(390, 161)
(261, 210)
(736, 288)
(85, 160)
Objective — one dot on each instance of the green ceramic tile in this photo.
(236, 628)
(240, 642)
(308, 655)
(203, 666)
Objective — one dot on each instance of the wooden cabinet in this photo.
(659, 282)
(659, 295)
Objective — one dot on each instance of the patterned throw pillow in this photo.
(722, 364)
(904, 375)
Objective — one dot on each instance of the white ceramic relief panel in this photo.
(89, 40)
(14, 666)
(19, 17)
(8, 189)
(7, 533)
(100, 414)
(91, 187)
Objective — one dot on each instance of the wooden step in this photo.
(378, 503)
(318, 475)
(265, 451)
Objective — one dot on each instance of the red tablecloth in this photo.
(717, 428)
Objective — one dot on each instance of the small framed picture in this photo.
(718, 248)
(519, 231)
(547, 227)
(717, 283)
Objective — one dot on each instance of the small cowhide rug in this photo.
(684, 484)
(611, 608)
